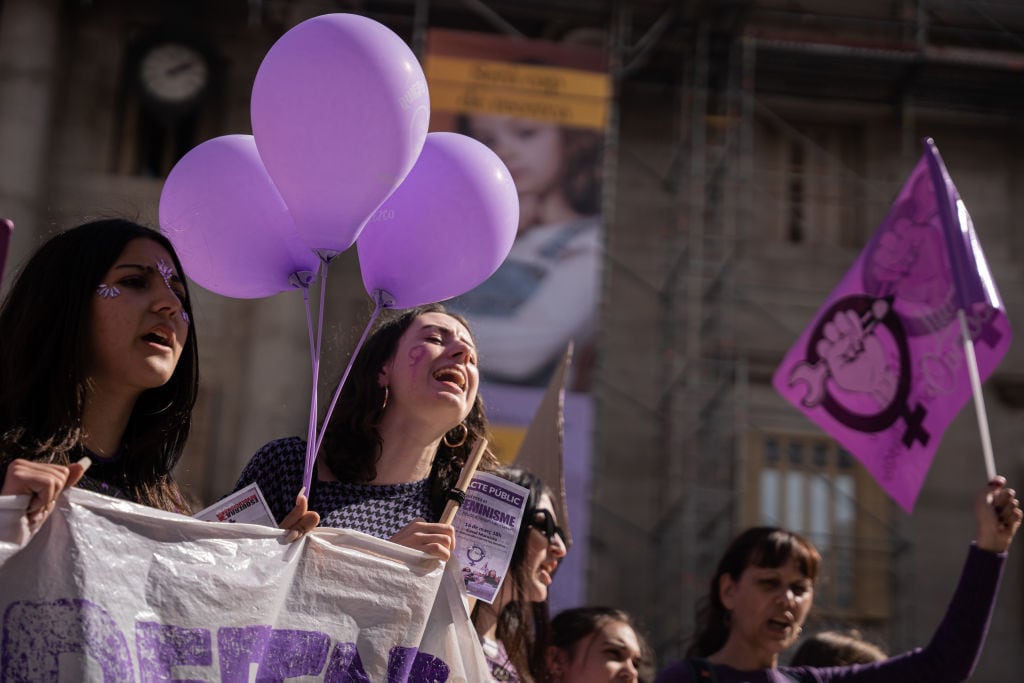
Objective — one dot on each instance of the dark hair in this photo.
(571, 626)
(45, 324)
(756, 547)
(837, 648)
(352, 442)
(524, 627)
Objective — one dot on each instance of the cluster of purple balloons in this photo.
(340, 154)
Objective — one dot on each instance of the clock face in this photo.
(174, 73)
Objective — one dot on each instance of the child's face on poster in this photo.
(532, 150)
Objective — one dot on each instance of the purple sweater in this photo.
(950, 656)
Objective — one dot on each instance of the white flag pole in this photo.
(979, 399)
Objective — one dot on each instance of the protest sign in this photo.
(486, 529)
(246, 505)
(113, 591)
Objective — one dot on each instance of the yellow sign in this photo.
(568, 97)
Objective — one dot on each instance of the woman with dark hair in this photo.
(763, 589)
(405, 423)
(597, 644)
(515, 629)
(98, 363)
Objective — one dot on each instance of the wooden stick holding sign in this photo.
(458, 494)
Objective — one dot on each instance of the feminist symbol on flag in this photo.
(860, 345)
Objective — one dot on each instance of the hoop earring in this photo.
(385, 403)
(465, 435)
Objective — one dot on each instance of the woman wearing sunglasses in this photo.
(514, 631)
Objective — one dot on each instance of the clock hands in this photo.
(184, 66)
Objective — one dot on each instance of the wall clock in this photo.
(173, 75)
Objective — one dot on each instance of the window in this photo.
(813, 183)
(811, 485)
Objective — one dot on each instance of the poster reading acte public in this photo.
(486, 529)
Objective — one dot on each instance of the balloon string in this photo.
(306, 470)
(307, 475)
(344, 376)
(309, 326)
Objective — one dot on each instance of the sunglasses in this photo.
(543, 521)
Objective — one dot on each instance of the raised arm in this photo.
(957, 644)
(998, 515)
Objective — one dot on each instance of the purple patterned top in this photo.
(377, 510)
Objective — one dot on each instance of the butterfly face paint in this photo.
(107, 291)
(167, 272)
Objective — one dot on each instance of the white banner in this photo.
(112, 591)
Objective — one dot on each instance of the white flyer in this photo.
(246, 505)
(486, 528)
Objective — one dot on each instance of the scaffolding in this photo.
(701, 406)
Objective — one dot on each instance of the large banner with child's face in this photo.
(543, 108)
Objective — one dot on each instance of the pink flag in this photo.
(882, 368)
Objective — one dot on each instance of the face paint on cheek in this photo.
(184, 316)
(107, 291)
(416, 355)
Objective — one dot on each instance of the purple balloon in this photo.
(446, 229)
(228, 223)
(339, 110)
